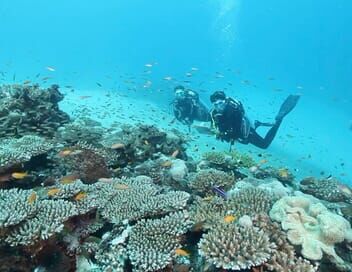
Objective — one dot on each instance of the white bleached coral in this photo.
(309, 223)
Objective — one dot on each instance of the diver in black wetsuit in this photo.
(231, 124)
(187, 106)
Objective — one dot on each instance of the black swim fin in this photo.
(286, 107)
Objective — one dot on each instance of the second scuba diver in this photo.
(231, 124)
(187, 107)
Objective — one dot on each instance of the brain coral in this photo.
(311, 225)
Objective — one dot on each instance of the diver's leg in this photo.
(257, 140)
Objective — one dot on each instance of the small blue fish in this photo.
(219, 191)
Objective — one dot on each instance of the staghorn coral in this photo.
(138, 197)
(204, 181)
(28, 109)
(327, 189)
(231, 247)
(46, 219)
(309, 223)
(112, 253)
(15, 151)
(15, 208)
(152, 243)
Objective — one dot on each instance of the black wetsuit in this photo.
(189, 108)
(232, 125)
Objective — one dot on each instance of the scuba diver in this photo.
(229, 120)
(187, 107)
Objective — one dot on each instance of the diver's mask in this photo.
(219, 105)
(180, 94)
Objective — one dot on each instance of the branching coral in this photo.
(138, 197)
(153, 242)
(231, 247)
(28, 220)
(250, 201)
(204, 181)
(15, 151)
(312, 226)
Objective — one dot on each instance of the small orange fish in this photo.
(118, 146)
(80, 196)
(68, 179)
(166, 164)
(263, 161)
(121, 186)
(175, 153)
(229, 218)
(64, 153)
(19, 175)
(181, 252)
(53, 191)
(32, 198)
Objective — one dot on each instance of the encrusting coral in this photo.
(152, 242)
(229, 246)
(15, 151)
(312, 226)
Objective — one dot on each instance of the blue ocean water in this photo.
(257, 51)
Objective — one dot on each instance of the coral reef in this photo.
(87, 164)
(152, 243)
(327, 189)
(28, 109)
(241, 159)
(231, 247)
(312, 226)
(135, 198)
(250, 201)
(284, 256)
(204, 181)
(17, 151)
(26, 220)
(142, 142)
(82, 129)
